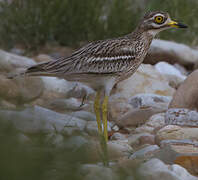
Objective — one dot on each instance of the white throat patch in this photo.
(154, 32)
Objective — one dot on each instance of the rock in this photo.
(155, 169)
(150, 100)
(65, 105)
(171, 52)
(74, 143)
(182, 152)
(145, 153)
(118, 136)
(11, 62)
(181, 117)
(144, 129)
(166, 154)
(56, 85)
(176, 132)
(156, 121)
(172, 149)
(188, 162)
(143, 107)
(96, 172)
(59, 88)
(181, 69)
(56, 139)
(114, 127)
(6, 105)
(80, 91)
(146, 80)
(182, 147)
(183, 142)
(53, 87)
(42, 58)
(183, 173)
(168, 69)
(128, 167)
(92, 128)
(117, 108)
(136, 140)
(37, 119)
(186, 95)
(85, 115)
(137, 116)
(118, 149)
(20, 90)
(173, 75)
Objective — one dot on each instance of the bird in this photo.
(104, 63)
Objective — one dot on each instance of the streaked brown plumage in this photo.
(111, 57)
(102, 64)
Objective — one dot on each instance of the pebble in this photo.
(155, 169)
(177, 133)
(181, 117)
(37, 119)
(145, 153)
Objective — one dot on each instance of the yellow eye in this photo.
(159, 19)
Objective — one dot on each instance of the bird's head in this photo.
(154, 22)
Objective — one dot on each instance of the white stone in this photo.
(137, 116)
(119, 148)
(150, 100)
(37, 119)
(10, 62)
(62, 88)
(155, 169)
(156, 121)
(20, 90)
(70, 104)
(177, 132)
(118, 136)
(168, 69)
(57, 85)
(181, 117)
(85, 115)
(92, 128)
(182, 172)
(146, 80)
(144, 129)
(163, 50)
(96, 172)
(145, 152)
(134, 139)
(172, 74)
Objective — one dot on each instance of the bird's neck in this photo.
(140, 33)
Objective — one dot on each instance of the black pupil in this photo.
(159, 18)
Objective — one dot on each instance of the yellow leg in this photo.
(97, 111)
(104, 117)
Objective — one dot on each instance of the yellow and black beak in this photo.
(176, 24)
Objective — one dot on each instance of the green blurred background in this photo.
(33, 23)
